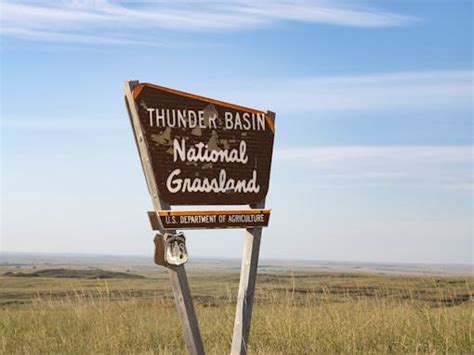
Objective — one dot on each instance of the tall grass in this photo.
(361, 317)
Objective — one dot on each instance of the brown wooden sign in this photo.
(200, 151)
(204, 151)
(172, 220)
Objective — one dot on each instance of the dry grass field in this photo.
(294, 313)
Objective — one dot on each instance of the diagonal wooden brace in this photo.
(177, 274)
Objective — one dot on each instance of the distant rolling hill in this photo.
(76, 274)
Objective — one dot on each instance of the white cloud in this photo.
(441, 154)
(402, 91)
(441, 166)
(77, 19)
(425, 90)
(325, 13)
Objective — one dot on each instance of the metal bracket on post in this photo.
(177, 273)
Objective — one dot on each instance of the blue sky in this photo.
(373, 151)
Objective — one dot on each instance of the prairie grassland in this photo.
(294, 314)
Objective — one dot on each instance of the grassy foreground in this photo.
(293, 314)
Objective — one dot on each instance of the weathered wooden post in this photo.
(200, 151)
(177, 274)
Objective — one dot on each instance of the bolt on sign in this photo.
(200, 151)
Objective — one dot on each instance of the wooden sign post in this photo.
(200, 151)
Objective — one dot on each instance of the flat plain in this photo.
(77, 305)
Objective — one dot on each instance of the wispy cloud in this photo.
(58, 37)
(372, 92)
(324, 12)
(441, 166)
(63, 124)
(320, 155)
(79, 20)
(429, 89)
